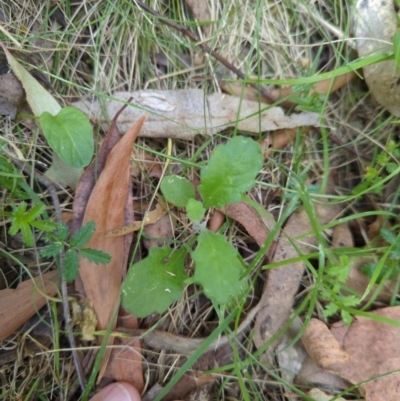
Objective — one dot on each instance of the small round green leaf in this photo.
(177, 190)
(232, 170)
(152, 284)
(195, 210)
(70, 135)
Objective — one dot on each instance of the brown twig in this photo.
(189, 34)
(51, 186)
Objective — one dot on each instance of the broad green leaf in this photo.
(63, 174)
(195, 210)
(83, 235)
(177, 190)
(218, 268)
(71, 265)
(95, 256)
(70, 135)
(51, 250)
(232, 170)
(38, 98)
(152, 284)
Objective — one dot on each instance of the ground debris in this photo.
(185, 113)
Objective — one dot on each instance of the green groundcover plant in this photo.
(159, 279)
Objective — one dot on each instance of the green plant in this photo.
(67, 130)
(11, 181)
(24, 221)
(388, 267)
(331, 288)
(69, 134)
(382, 165)
(218, 265)
(58, 241)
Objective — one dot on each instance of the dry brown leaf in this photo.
(342, 237)
(283, 282)
(201, 12)
(12, 95)
(375, 24)
(36, 335)
(290, 359)
(277, 140)
(373, 350)
(311, 374)
(322, 346)
(125, 364)
(185, 113)
(149, 218)
(216, 221)
(19, 305)
(106, 207)
(375, 227)
(90, 175)
(159, 233)
(188, 382)
(319, 395)
(257, 225)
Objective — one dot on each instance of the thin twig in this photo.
(51, 186)
(189, 34)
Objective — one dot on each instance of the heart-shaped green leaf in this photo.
(69, 134)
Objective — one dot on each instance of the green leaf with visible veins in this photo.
(152, 284)
(218, 268)
(95, 256)
(232, 170)
(70, 135)
(51, 250)
(71, 265)
(83, 235)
